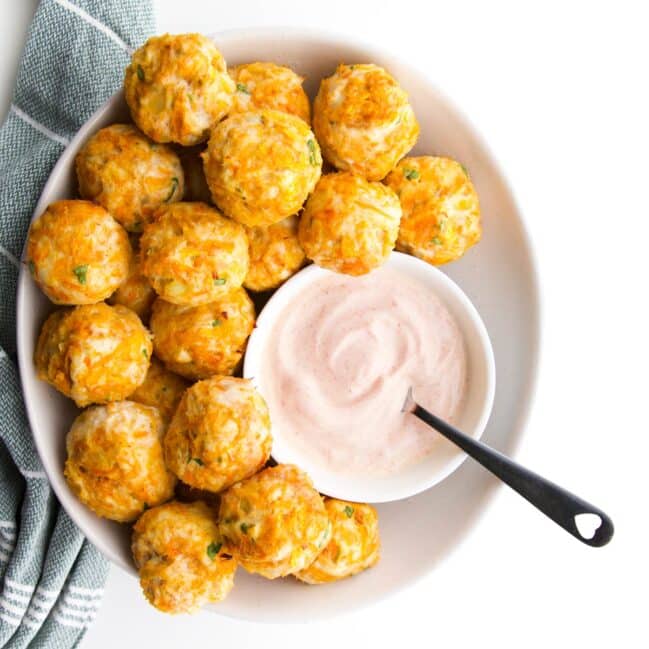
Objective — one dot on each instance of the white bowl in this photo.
(447, 457)
(498, 275)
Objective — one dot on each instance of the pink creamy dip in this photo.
(344, 353)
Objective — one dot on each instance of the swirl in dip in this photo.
(344, 353)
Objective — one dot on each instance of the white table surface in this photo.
(560, 94)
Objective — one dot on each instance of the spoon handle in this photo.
(555, 502)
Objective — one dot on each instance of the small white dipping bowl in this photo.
(473, 418)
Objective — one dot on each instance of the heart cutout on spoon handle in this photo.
(564, 508)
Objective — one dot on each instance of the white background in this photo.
(559, 90)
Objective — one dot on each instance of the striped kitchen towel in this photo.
(51, 578)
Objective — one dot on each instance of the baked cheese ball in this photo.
(268, 85)
(275, 523)
(219, 435)
(363, 121)
(179, 553)
(93, 354)
(353, 547)
(128, 174)
(275, 254)
(77, 252)
(200, 341)
(196, 188)
(177, 88)
(115, 461)
(192, 254)
(135, 292)
(161, 388)
(349, 224)
(261, 166)
(441, 211)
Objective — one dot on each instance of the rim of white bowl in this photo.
(409, 481)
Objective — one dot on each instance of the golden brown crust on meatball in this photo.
(275, 254)
(363, 120)
(177, 88)
(192, 254)
(349, 224)
(115, 464)
(261, 166)
(161, 388)
(124, 171)
(353, 547)
(219, 435)
(93, 354)
(77, 252)
(179, 554)
(268, 85)
(441, 211)
(274, 523)
(200, 341)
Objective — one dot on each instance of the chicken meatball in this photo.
(93, 354)
(275, 254)
(197, 342)
(161, 388)
(441, 212)
(219, 435)
(353, 547)
(363, 120)
(177, 88)
(268, 85)
(274, 523)
(261, 166)
(115, 464)
(135, 292)
(77, 252)
(128, 174)
(192, 255)
(179, 554)
(349, 224)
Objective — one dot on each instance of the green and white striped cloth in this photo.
(51, 578)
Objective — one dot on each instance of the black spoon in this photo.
(558, 504)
